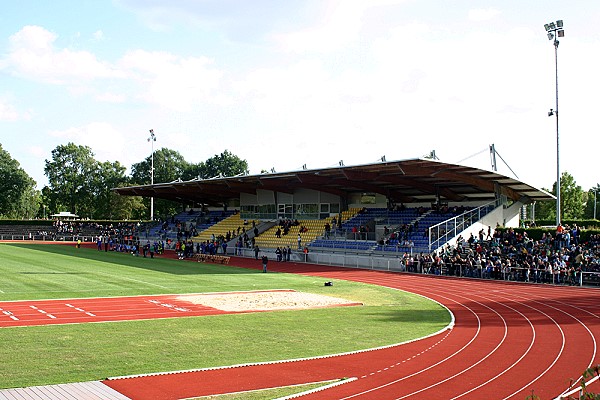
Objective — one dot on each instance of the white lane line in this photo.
(9, 314)
(80, 310)
(455, 353)
(545, 303)
(489, 354)
(531, 343)
(169, 306)
(539, 311)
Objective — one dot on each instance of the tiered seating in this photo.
(316, 228)
(229, 224)
(268, 240)
(187, 217)
(381, 216)
(212, 217)
(359, 245)
(418, 237)
(8, 231)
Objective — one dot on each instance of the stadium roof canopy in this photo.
(405, 181)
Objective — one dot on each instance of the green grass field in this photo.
(41, 355)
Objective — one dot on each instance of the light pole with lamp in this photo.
(152, 139)
(595, 200)
(554, 31)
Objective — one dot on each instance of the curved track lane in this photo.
(507, 341)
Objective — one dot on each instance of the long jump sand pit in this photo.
(265, 300)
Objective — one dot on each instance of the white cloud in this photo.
(481, 14)
(8, 111)
(171, 81)
(161, 78)
(37, 151)
(32, 55)
(111, 97)
(107, 142)
(340, 26)
(98, 35)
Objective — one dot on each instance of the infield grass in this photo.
(41, 355)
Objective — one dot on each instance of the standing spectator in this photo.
(265, 260)
(256, 250)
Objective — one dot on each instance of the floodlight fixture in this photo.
(152, 139)
(554, 31)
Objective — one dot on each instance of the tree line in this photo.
(79, 183)
(82, 185)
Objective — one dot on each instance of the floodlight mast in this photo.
(152, 139)
(554, 31)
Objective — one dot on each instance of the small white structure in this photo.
(64, 215)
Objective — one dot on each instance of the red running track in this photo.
(77, 311)
(107, 309)
(508, 340)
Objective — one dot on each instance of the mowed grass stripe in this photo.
(72, 353)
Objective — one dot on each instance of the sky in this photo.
(282, 84)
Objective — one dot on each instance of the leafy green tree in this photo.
(71, 178)
(169, 166)
(224, 164)
(109, 176)
(572, 200)
(126, 207)
(17, 189)
(591, 204)
(30, 204)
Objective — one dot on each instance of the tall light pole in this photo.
(152, 139)
(554, 31)
(595, 201)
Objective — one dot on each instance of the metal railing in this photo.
(441, 233)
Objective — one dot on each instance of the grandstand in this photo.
(376, 202)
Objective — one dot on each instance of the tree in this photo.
(224, 164)
(591, 203)
(169, 166)
(572, 200)
(110, 175)
(17, 189)
(71, 178)
(126, 207)
(30, 204)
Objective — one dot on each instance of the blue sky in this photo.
(287, 83)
